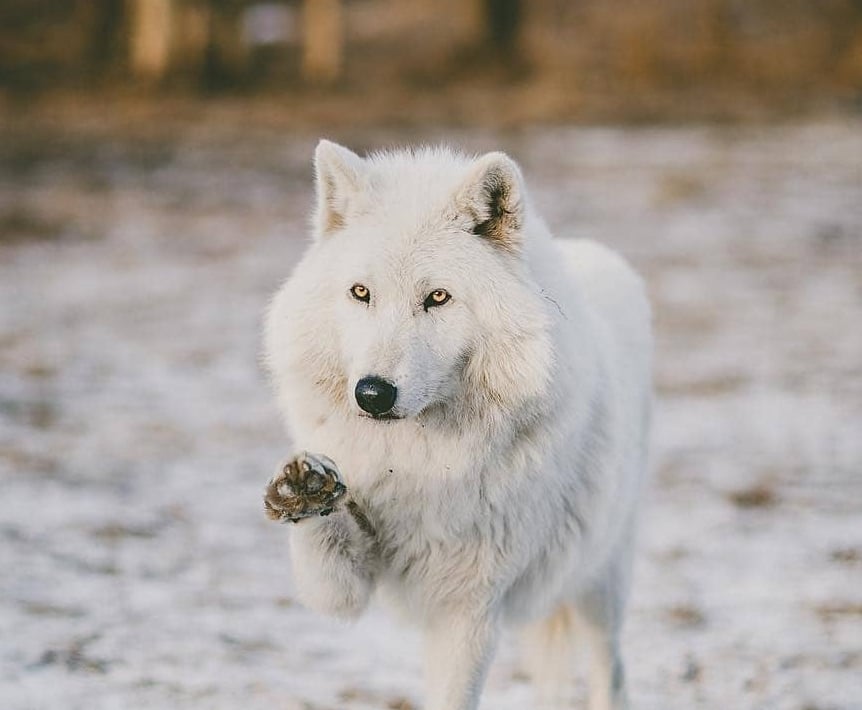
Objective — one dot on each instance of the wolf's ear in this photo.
(339, 178)
(492, 197)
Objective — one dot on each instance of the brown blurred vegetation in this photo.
(545, 59)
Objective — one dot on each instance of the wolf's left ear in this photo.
(340, 179)
(492, 196)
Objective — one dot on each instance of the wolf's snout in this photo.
(375, 395)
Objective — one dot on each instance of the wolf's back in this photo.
(616, 294)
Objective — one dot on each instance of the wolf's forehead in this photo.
(417, 183)
(406, 258)
(407, 217)
(413, 257)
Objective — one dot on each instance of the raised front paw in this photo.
(304, 487)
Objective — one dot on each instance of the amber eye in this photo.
(360, 293)
(436, 298)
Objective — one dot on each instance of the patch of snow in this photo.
(137, 432)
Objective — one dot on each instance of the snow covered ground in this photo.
(137, 431)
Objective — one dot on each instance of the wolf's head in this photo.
(415, 297)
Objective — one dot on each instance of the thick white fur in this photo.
(508, 490)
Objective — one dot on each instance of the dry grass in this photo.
(847, 555)
(686, 616)
(358, 695)
(760, 495)
(715, 386)
(837, 611)
(19, 224)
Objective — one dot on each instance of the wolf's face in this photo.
(414, 289)
(406, 316)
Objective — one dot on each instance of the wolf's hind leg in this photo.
(600, 616)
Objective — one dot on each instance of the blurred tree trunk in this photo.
(150, 38)
(323, 40)
(191, 38)
(503, 23)
(225, 54)
(103, 23)
(503, 20)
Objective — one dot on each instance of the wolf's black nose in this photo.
(375, 395)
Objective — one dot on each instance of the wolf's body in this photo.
(503, 485)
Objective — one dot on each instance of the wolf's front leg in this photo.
(458, 651)
(332, 545)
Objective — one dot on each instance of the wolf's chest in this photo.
(425, 530)
(426, 496)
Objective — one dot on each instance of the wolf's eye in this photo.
(436, 298)
(360, 293)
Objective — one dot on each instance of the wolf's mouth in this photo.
(388, 417)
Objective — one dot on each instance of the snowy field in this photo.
(137, 430)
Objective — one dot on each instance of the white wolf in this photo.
(477, 398)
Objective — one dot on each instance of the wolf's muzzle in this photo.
(375, 395)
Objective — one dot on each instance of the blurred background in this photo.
(155, 184)
(412, 59)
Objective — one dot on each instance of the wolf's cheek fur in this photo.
(507, 374)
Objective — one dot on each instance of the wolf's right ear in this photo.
(339, 178)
